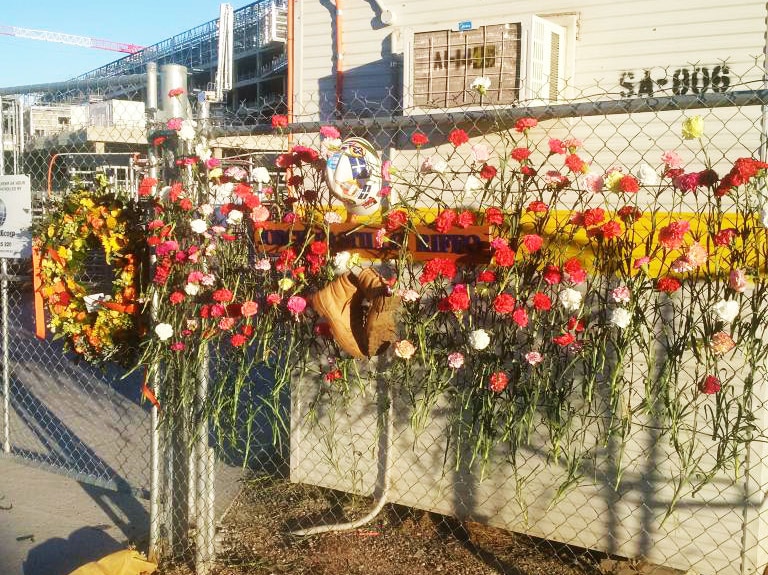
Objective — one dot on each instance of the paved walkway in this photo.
(50, 524)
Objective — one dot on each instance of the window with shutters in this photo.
(524, 61)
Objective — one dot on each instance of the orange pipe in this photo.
(339, 58)
(50, 174)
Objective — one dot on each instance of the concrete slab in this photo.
(51, 524)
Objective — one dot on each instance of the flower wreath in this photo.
(96, 326)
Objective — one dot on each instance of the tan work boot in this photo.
(380, 329)
(340, 302)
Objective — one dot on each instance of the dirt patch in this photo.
(255, 538)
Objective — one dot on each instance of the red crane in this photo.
(71, 39)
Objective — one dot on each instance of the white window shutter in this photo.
(545, 62)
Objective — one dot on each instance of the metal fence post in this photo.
(6, 371)
(155, 495)
(204, 468)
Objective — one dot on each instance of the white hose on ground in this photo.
(385, 446)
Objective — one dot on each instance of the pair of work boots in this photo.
(359, 331)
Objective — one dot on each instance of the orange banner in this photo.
(464, 245)
(37, 284)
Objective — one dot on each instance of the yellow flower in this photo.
(64, 253)
(693, 127)
(285, 284)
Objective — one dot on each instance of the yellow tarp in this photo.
(126, 562)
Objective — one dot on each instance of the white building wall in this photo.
(610, 42)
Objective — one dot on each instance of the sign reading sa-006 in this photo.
(15, 217)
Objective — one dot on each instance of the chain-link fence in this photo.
(85, 422)
(598, 453)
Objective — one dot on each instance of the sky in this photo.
(141, 22)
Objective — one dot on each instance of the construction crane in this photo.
(71, 39)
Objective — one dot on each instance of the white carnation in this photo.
(481, 84)
(473, 184)
(341, 261)
(198, 226)
(570, 299)
(647, 176)
(621, 317)
(192, 289)
(332, 218)
(479, 339)
(164, 331)
(234, 217)
(187, 131)
(260, 175)
(726, 310)
(203, 152)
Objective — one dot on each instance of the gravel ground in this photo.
(255, 539)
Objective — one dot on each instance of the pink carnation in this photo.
(296, 304)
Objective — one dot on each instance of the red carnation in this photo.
(437, 267)
(465, 219)
(498, 382)
(176, 297)
(667, 284)
(556, 146)
(710, 385)
(575, 324)
(395, 220)
(532, 242)
(458, 300)
(418, 139)
(494, 216)
(564, 340)
(487, 172)
(279, 121)
(238, 340)
(458, 137)
(671, 236)
(574, 271)
(629, 185)
(629, 214)
(445, 221)
(146, 185)
(575, 163)
(524, 124)
(520, 317)
(542, 302)
(504, 303)
(594, 217)
(537, 207)
(552, 275)
(520, 154)
(333, 375)
(486, 276)
(504, 257)
(724, 237)
(319, 248)
(611, 229)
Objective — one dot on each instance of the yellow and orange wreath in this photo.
(96, 325)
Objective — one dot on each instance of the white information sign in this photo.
(15, 217)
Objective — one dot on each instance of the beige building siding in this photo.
(606, 39)
(723, 528)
